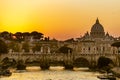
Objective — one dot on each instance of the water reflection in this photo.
(33, 68)
(57, 68)
(54, 73)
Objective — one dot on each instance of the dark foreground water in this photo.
(55, 73)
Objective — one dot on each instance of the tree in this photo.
(6, 35)
(37, 47)
(25, 34)
(19, 36)
(70, 40)
(65, 49)
(25, 46)
(36, 35)
(3, 47)
(103, 63)
(116, 44)
(14, 46)
(81, 62)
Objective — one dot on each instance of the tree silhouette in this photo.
(25, 46)
(3, 47)
(36, 35)
(19, 36)
(116, 44)
(25, 34)
(6, 35)
(70, 40)
(14, 46)
(37, 47)
(65, 49)
(104, 62)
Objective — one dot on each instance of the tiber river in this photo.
(54, 73)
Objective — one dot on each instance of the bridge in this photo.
(69, 60)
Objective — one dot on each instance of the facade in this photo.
(96, 42)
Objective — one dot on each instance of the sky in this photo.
(60, 19)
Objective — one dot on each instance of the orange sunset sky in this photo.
(60, 19)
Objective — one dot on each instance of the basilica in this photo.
(97, 33)
(96, 42)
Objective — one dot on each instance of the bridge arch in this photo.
(5, 59)
(8, 62)
(105, 61)
(30, 62)
(27, 60)
(81, 62)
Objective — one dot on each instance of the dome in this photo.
(97, 27)
(97, 30)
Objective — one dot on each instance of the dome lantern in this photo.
(97, 21)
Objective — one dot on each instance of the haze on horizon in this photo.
(60, 19)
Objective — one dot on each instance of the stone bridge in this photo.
(58, 59)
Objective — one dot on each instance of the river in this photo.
(54, 73)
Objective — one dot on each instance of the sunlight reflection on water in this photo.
(54, 73)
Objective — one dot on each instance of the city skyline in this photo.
(59, 19)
